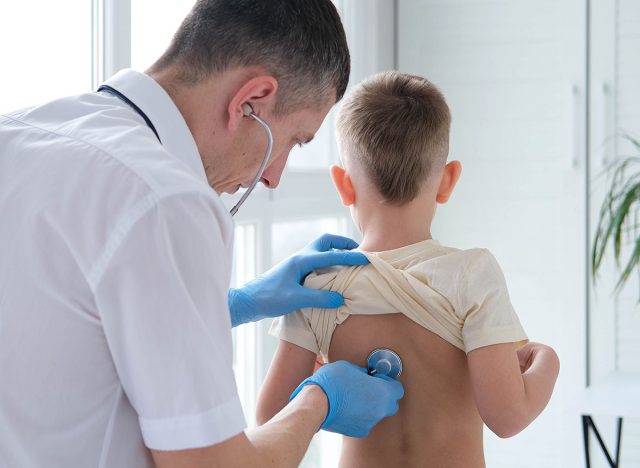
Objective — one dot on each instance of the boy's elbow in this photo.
(504, 431)
(505, 427)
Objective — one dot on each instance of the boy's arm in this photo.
(512, 388)
(290, 366)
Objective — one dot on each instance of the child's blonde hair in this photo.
(397, 127)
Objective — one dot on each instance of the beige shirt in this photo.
(460, 295)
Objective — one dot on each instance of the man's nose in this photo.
(271, 181)
(273, 173)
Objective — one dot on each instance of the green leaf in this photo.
(634, 262)
(618, 221)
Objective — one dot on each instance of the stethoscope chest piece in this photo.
(384, 361)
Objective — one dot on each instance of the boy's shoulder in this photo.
(470, 261)
(474, 261)
(451, 270)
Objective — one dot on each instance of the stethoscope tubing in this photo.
(263, 166)
(265, 160)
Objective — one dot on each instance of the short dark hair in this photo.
(396, 126)
(301, 42)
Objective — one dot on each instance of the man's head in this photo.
(302, 44)
(394, 127)
(287, 59)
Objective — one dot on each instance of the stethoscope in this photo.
(248, 111)
(384, 361)
(381, 361)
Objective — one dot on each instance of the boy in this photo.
(446, 312)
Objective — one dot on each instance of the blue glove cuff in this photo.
(239, 306)
(234, 306)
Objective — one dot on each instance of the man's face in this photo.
(243, 161)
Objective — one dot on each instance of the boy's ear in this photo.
(449, 179)
(343, 184)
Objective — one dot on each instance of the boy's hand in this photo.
(525, 356)
(357, 401)
(280, 291)
(529, 352)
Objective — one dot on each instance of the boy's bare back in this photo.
(438, 423)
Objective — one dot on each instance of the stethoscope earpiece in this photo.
(247, 109)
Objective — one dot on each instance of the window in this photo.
(45, 49)
(291, 236)
(244, 337)
(152, 27)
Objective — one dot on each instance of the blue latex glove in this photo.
(357, 400)
(280, 291)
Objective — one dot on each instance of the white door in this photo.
(615, 114)
(513, 74)
(614, 321)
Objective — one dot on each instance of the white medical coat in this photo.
(115, 261)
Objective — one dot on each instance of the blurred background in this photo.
(542, 94)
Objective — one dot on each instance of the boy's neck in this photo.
(390, 227)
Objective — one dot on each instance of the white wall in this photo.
(513, 74)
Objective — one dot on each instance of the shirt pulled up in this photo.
(460, 295)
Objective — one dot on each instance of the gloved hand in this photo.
(280, 291)
(357, 400)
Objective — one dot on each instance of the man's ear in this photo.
(449, 179)
(343, 184)
(259, 92)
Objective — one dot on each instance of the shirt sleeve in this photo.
(162, 300)
(295, 328)
(489, 317)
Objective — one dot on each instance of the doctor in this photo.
(115, 252)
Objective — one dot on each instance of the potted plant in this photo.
(619, 219)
